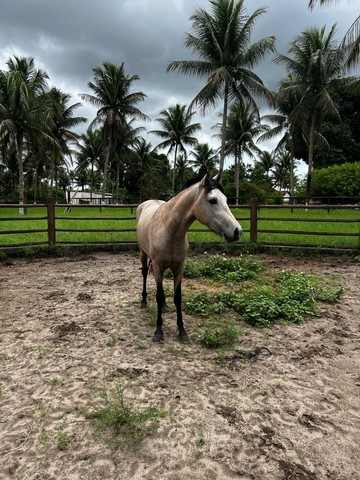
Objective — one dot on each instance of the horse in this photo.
(161, 228)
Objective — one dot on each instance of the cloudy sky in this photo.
(68, 38)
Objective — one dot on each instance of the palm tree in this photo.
(221, 40)
(20, 113)
(282, 170)
(316, 66)
(267, 161)
(146, 161)
(177, 131)
(351, 40)
(115, 103)
(59, 116)
(205, 158)
(291, 133)
(243, 125)
(89, 153)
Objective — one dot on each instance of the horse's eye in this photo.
(213, 201)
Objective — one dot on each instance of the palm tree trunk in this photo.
(237, 173)
(310, 158)
(21, 174)
(174, 172)
(223, 127)
(106, 166)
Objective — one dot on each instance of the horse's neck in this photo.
(180, 211)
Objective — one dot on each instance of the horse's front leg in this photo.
(178, 303)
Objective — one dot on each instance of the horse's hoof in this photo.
(184, 338)
(143, 304)
(158, 337)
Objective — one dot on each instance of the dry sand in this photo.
(67, 323)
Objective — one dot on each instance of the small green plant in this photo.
(220, 335)
(63, 441)
(198, 304)
(122, 421)
(112, 341)
(222, 268)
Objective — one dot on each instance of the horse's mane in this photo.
(189, 183)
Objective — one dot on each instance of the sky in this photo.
(69, 38)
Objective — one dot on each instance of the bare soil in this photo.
(69, 323)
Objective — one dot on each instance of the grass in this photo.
(75, 220)
(120, 420)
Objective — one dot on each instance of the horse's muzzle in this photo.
(236, 235)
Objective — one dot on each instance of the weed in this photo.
(198, 304)
(220, 335)
(54, 382)
(112, 341)
(63, 441)
(222, 268)
(123, 422)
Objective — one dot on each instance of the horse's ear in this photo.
(205, 180)
(218, 176)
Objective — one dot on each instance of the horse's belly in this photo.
(144, 223)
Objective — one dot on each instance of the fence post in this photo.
(51, 221)
(253, 219)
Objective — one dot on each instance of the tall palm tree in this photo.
(317, 65)
(89, 153)
(282, 169)
(116, 103)
(205, 157)
(221, 40)
(267, 161)
(243, 126)
(59, 116)
(146, 161)
(351, 40)
(177, 131)
(20, 113)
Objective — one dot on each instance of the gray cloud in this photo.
(69, 38)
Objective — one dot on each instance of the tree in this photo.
(111, 95)
(89, 153)
(351, 40)
(205, 157)
(317, 65)
(267, 161)
(59, 116)
(20, 113)
(221, 40)
(177, 131)
(243, 125)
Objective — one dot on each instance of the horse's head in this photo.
(212, 210)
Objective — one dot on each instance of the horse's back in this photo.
(144, 216)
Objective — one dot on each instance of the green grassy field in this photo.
(82, 218)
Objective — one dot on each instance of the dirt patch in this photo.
(67, 325)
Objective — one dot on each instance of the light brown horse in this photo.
(161, 235)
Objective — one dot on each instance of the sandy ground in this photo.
(69, 323)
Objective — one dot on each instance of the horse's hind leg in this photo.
(144, 271)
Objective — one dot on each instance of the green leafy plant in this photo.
(122, 421)
(198, 304)
(222, 268)
(220, 335)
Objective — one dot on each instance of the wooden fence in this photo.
(254, 219)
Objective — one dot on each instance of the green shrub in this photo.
(220, 335)
(198, 304)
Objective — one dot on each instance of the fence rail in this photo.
(257, 224)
